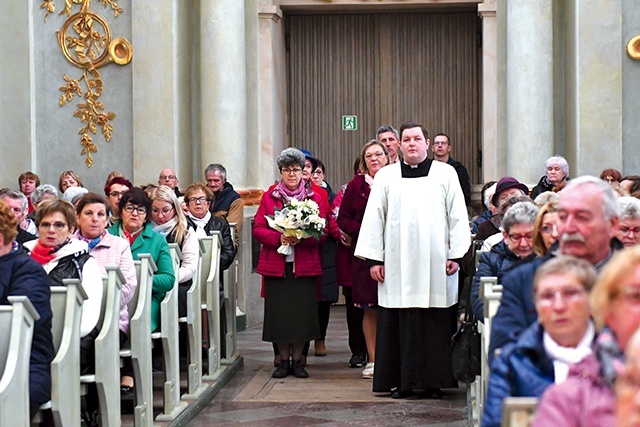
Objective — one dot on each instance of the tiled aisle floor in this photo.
(333, 395)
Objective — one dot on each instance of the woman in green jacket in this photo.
(135, 227)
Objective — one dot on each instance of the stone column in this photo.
(529, 87)
(223, 104)
(490, 148)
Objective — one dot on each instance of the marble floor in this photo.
(333, 395)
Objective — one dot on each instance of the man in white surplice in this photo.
(415, 228)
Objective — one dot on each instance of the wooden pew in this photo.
(491, 292)
(211, 305)
(138, 347)
(168, 335)
(230, 284)
(66, 306)
(193, 320)
(16, 323)
(518, 411)
(107, 349)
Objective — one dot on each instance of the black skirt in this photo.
(290, 308)
(413, 348)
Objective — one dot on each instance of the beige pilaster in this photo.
(593, 73)
(17, 136)
(529, 87)
(490, 144)
(223, 104)
(272, 95)
(161, 96)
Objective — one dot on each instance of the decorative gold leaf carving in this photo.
(89, 46)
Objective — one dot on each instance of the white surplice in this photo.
(414, 225)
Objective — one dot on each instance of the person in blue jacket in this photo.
(22, 275)
(544, 352)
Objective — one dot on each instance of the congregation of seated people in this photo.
(564, 250)
(51, 233)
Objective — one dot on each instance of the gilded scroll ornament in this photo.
(85, 40)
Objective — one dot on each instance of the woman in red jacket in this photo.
(365, 290)
(290, 281)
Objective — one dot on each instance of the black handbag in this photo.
(465, 355)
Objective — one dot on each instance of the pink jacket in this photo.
(114, 250)
(583, 400)
(307, 255)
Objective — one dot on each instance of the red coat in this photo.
(343, 253)
(307, 255)
(354, 202)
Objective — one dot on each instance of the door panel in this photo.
(385, 69)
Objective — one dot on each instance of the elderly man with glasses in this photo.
(169, 178)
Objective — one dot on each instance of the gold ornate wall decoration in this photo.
(633, 48)
(85, 40)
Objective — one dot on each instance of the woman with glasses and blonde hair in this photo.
(544, 352)
(168, 219)
(587, 397)
(374, 157)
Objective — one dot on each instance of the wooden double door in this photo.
(382, 68)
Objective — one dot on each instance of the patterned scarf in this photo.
(609, 354)
(91, 242)
(303, 192)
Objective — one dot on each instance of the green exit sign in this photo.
(349, 122)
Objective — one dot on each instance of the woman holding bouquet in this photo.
(290, 279)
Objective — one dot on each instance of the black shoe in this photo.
(433, 393)
(401, 394)
(91, 419)
(298, 370)
(282, 371)
(126, 392)
(358, 360)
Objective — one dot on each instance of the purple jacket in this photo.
(354, 202)
(584, 399)
(343, 253)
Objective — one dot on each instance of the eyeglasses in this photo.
(440, 143)
(141, 210)
(626, 230)
(376, 155)
(161, 211)
(167, 177)
(58, 225)
(117, 193)
(515, 238)
(197, 199)
(629, 295)
(291, 171)
(567, 295)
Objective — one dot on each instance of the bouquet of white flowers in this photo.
(297, 218)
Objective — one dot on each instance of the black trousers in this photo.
(357, 343)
